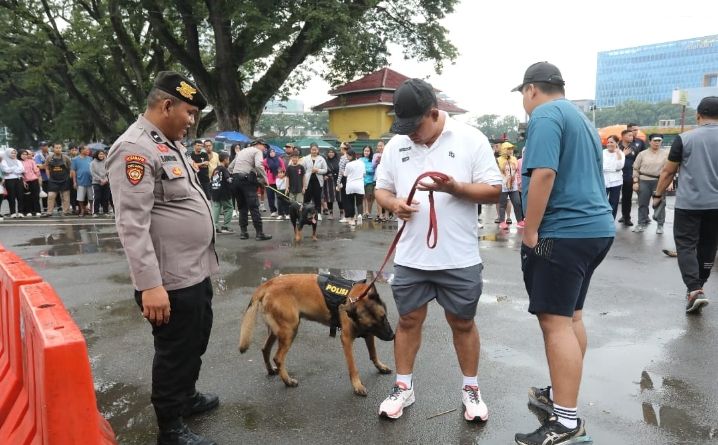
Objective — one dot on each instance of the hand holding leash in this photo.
(402, 210)
(442, 183)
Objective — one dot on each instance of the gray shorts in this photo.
(84, 193)
(456, 290)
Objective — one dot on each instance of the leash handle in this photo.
(433, 228)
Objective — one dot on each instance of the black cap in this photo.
(258, 142)
(180, 87)
(541, 72)
(708, 107)
(411, 102)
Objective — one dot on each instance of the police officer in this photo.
(164, 222)
(248, 173)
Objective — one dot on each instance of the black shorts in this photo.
(557, 272)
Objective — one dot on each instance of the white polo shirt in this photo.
(461, 151)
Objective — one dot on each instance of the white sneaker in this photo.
(343, 220)
(358, 219)
(659, 229)
(262, 208)
(235, 213)
(475, 406)
(38, 214)
(273, 215)
(29, 215)
(481, 226)
(400, 397)
(2, 219)
(20, 215)
(319, 216)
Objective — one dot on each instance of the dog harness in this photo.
(335, 291)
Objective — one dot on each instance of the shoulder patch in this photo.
(163, 148)
(156, 137)
(135, 168)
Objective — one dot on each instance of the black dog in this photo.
(301, 215)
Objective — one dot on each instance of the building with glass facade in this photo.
(650, 73)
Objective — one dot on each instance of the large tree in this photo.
(641, 113)
(241, 53)
(495, 126)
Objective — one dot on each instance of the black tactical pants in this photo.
(246, 193)
(179, 346)
(696, 235)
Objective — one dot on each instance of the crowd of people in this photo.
(34, 182)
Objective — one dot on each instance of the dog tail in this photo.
(250, 316)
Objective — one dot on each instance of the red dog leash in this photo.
(432, 233)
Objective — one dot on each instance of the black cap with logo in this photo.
(541, 72)
(412, 100)
(180, 87)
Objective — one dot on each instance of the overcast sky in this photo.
(497, 40)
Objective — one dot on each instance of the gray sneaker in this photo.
(659, 229)
(541, 398)
(695, 302)
(639, 228)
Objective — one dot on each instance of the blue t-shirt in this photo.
(81, 167)
(40, 159)
(369, 170)
(561, 138)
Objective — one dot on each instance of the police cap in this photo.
(180, 87)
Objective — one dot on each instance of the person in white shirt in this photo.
(13, 169)
(613, 160)
(354, 172)
(429, 140)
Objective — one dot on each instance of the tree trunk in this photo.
(234, 119)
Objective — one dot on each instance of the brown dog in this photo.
(285, 299)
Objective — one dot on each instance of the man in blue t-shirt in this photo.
(569, 230)
(82, 179)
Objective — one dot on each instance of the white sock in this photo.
(550, 393)
(471, 381)
(567, 417)
(406, 379)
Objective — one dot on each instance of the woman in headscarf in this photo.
(13, 169)
(272, 165)
(330, 182)
(509, 167)
(32, 184)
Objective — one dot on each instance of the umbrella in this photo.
(280, 151)
(97, 146)
(304, 143)
(605, 132)
(233, 136)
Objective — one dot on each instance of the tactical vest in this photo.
(335, 291)
(57, 170)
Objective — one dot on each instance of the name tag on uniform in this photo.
(168, 158)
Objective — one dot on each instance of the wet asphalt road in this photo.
(649, 377)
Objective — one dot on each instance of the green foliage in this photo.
(81, 69)
(280, 124)
(641, 113)
(494, 126)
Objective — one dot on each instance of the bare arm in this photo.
(667, 175)
(542, 180)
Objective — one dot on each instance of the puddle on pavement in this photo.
(657, 393)
(128, 410)
(75, 240)
(252, 274)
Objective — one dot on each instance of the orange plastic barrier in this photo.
(14, 272)
(52, 400)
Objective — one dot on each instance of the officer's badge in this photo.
(135, 168)
(186, 90)
(177, 171)
(163, 148)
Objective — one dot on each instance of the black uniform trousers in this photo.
(696, 235)
(314, 193)
(626, 198)
(179, 346)
(246, 193)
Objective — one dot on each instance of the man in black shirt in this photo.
(201, 163)
(638, 143)
(630, 152)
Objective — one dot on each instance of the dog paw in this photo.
(360, 391)
(292, 383)
(384, 369)
(272, 371)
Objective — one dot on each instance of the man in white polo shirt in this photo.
(429, 140)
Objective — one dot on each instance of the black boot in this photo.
(175, 432)
(243, 234)
(262, 237)
(200, 403)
